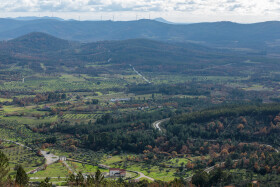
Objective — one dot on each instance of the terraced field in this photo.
(81, 116)
(20, 155)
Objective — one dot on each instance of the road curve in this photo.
(143, 176)
(156, 124)
(50, 158)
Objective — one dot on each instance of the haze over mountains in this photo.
(227, 34)
(134, 51)
(35, 49)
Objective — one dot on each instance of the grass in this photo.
(19, 155)
(5, 100)
(72, 78)
(112, 160)
(84, 168)
(53, 170)
(177, 161)
(155, 172)
(31, 120)
(257, 87)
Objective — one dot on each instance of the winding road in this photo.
(143, 176)
(156, 124)
(50, 158)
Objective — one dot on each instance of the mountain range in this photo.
(35, 48)
(218, 34)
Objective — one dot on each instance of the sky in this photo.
(244, 11)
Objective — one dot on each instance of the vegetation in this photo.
(99, 105)
(4, 167)
(21, 177)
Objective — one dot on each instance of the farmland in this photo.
(96, 111)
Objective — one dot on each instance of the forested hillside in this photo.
(257, 36)
(36, 48)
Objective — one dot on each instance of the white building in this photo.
(116, 172)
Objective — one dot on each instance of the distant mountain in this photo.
(36, 48)
(147, 52)
(35, 18)
(34, 44)
(258, 35)
(37, 41)
(163, 21)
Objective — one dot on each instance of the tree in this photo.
(21, 177)
(120, 180)
(46, 183)
(79, 178)
(98, 176)
(217, 176)
(96, 179)
(71, 179)
(200, 178)
(4, 167)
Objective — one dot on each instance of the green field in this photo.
(21, 156)
(53, 170)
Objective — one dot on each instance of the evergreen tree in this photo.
(4, 167)
(79, 178)
(98, 176)
(21, 177)
(200, 178)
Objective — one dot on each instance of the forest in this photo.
(169, 113)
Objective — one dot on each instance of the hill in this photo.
(141, 52)
(37, 41)
(150, 52)
(258, 35)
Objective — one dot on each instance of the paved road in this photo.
(50, 158)
(140, 75)
(156, 124)
(270, 147)
(144, 176)
(69, 168)
(17, 143)
(49, 177)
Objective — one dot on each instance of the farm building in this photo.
(116, 172)
(62, 158)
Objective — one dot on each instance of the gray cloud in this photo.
(193, 6)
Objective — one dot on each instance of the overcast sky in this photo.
(173, 10)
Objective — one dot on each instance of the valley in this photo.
(163, 111)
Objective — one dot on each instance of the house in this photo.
(62, 158)
(116, 172)
(33, 171)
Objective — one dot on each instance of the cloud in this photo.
(193, 6)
